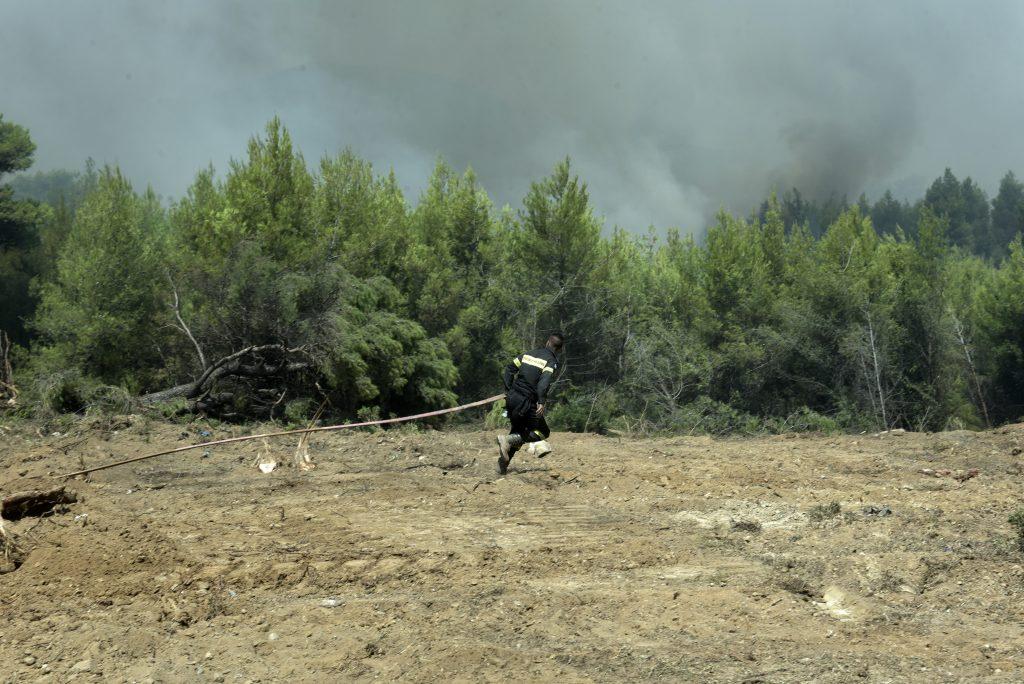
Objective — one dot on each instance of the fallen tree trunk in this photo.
(249, 363)
(34, 503)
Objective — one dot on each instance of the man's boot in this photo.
(507, 447)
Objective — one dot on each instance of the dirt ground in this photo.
(403, 556)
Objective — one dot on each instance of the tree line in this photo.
(283, 288)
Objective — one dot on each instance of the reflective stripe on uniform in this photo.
(534, 361)
(517, 362)
(549, 369)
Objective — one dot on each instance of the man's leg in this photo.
(538, 436)
(539, 429)
(508, 446)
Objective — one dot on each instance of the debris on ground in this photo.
(11, 554)
(745, 526)
(958, 475)
(35, 503)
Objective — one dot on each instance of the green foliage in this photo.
(100, 313)
(806, 420)
(360, 219)
(1002, 312)
(548, 275)
(60, 186)
(16, 147)
(964, 206)
(173, 408)
(666, 366)
(892, 217)
(704, 415)
(276, 256)
(445, 274)
(63, 392)
(585, 411)
(495, 418)
(376, 356)
(369, 414)
(810, 315)
(299, 411)
(68, 391)
(18, 238)
(1007, 215)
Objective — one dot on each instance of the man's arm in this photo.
(545, 381)
(510, 372)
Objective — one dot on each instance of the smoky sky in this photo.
(669, 110)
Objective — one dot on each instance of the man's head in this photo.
(555, 342)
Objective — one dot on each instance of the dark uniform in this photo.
(527, 378)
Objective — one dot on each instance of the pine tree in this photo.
(1007, 215)
(102, 312)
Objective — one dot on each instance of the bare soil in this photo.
(403, 556)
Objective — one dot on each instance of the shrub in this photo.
(299, 411)
(806, 420)
(61, 392)
(824, 511)
(174, 408)
(705, 415)
(106, 399)
(495, 418)
(584, 411)
(1017, 520)
(367, 414)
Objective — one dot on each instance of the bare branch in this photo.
(184, 327)
(8, 392)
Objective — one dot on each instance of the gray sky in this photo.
(669, 109)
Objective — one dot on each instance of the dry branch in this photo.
(11, 554)
(268, 361)
(184, 327)
(8, 392)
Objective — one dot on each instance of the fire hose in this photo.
(283, 433)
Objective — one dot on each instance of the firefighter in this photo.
(527, 378)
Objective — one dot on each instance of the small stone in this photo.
(208, 655)
(330, 603)
(82, 666)
(273, 636)
(29, 660)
